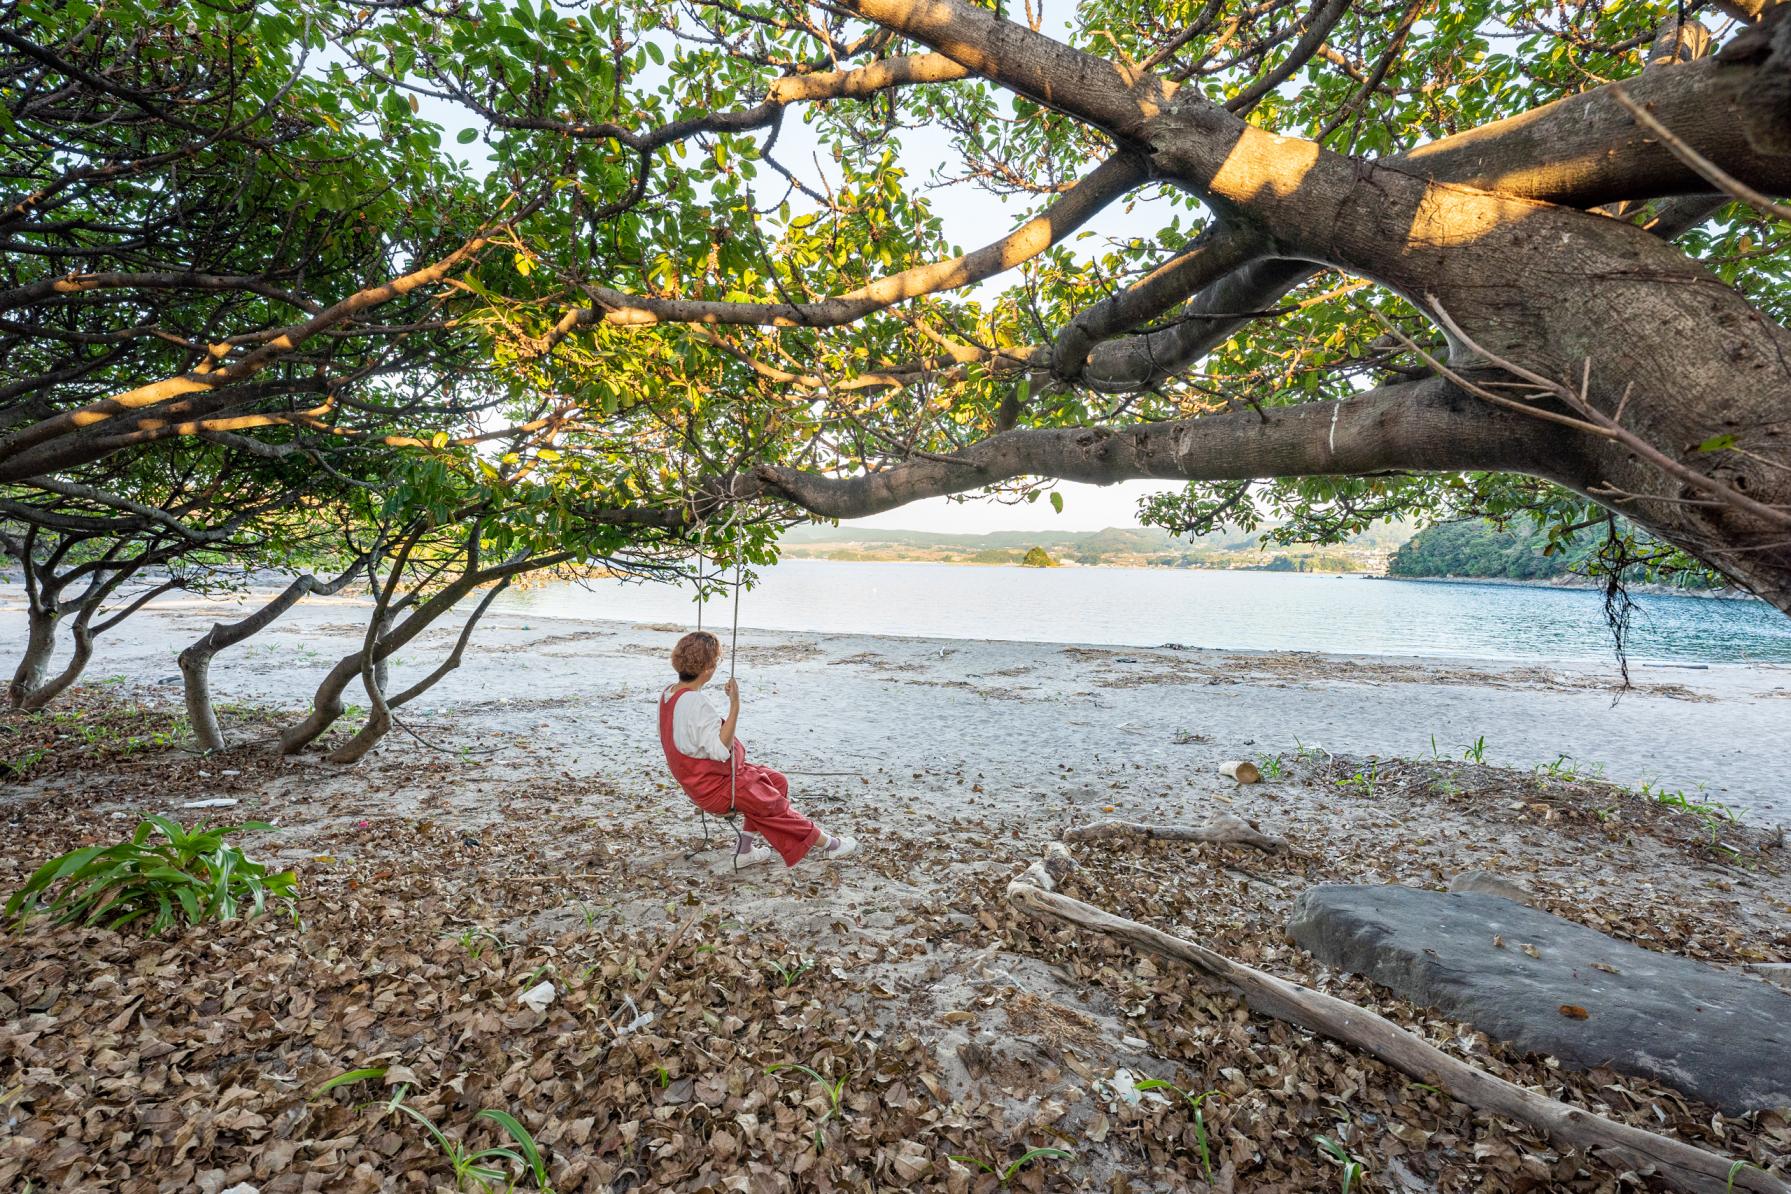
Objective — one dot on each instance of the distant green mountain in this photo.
(1110, 540)
(1129, 547)
(1479, 550)
(1476, 549)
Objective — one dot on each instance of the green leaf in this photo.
(370, 1073)
(1057, 501)
(467, 136)
(1717, 443)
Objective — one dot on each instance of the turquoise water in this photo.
(1270, 611)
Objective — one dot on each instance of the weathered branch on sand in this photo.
(1234, 831)
(1684, 1166)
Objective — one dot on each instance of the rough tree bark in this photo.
(40, 646)
(195, 661)
(1659, 342)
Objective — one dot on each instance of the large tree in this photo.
(1407, 256)
(1369, 257)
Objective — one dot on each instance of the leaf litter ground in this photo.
(439, 887)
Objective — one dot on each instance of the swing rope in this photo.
(733, 643)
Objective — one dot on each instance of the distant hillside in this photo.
(1478, 550)
(1131, 547)
(1133, 539)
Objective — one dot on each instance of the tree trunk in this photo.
(195, 673)
(195, 661)
(380, 721)
(326, 706)
(48, 690)
(40, 646)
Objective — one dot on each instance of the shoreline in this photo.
(1577, 584)
(1584, 663)
(1589, 665)
(993, 706)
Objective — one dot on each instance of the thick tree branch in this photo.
(1419, 426)
(1107, 182)
(1217, 255)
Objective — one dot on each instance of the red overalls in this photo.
(761, 795)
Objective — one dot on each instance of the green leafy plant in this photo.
(1566, 769)
(473, 941)
(1363, 781)
(23, 763)
(1272, 767)
(1005, 1174)
(1352, 1170)
(834, 1089)
(1201, 1140)
(1475, 752)
(787, 975)
(469, 1165)
(1713, 817)
(191, 873)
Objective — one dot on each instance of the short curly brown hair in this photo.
(695, 654)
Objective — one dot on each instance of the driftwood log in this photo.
(1685, 1166)
(1233, 831)
(1242, 770)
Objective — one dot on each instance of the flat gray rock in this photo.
(1716, 1035)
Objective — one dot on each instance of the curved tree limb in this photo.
(1217, 255)
(1106, 183)
(1425, 425)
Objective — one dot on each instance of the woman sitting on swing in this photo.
(709, 762)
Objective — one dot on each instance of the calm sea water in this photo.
(1239, 610)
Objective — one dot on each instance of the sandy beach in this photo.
(527, 829)
(1017, 713)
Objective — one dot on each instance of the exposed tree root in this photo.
(1234, 831)
(1684, 1166)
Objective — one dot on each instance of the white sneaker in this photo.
(838, 847)
(756, 853)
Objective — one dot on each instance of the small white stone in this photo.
(538, 997)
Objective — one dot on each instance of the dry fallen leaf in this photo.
(1574, 1011)
(1532, 950)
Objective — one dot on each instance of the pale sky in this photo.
(1085, 508)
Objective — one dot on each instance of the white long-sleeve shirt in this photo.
(696, 727)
